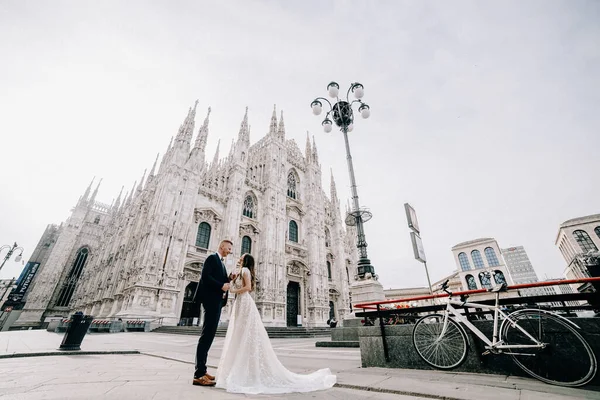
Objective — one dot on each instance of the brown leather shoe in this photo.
(203, 381)
(212, 378)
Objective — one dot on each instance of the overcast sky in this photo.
(485, 115)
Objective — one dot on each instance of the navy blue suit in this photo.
(212, 298)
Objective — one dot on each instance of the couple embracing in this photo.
(248, 362)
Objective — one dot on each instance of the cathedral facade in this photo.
(142, 256)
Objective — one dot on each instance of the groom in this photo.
(212, 291)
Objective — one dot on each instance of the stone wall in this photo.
(402, 353)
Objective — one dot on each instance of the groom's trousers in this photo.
(212, 314)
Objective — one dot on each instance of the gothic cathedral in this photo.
(142, 256)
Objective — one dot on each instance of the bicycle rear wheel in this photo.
(445, 351)
(566, 360)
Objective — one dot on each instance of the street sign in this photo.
(418, 247)
(415, 237)
(411, 217)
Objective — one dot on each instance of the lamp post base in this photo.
(365, 267)
(366, 290)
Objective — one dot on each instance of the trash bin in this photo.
(76, 331)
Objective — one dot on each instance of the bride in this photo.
(248, 363)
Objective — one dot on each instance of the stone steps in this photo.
(273, 332)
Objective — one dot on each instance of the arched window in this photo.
(499, 277)
(490, 254)
(584, 240)
(249, 207)
(292, 183)
(246, 245)
(203, 235)
(327, 238)
(597, 230)
(68, 286)
(484, 278)
(293, 231)
(97, 220)
(471, 284)
(328, 270)
(464, 262)
(477, 260)
(348, 275)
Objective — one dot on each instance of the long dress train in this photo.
(248, 362)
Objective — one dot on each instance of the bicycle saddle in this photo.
(499, 288)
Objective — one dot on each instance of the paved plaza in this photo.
(163, 370)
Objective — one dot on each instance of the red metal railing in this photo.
(373, 305)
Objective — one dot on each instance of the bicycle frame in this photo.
(495, 343)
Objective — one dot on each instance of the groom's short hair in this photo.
(225, 241)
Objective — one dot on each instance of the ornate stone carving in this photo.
(294, 155)
(294, 270)
(248, 229)
(206, 215)
(191, 276)
(296, 251)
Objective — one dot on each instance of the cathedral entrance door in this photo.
(191, 306)
(293, 291)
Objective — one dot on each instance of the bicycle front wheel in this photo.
(566, 359)
(438, 348)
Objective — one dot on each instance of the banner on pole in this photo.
(26, 278)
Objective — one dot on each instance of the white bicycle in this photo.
(545, 345)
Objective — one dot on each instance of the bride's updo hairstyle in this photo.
(249, 263)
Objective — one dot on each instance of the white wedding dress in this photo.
(249, 364)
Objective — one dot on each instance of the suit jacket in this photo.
(214, 276)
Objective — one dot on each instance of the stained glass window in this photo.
(464, 262)
(246, 245)
(249, 207)
(293, 233)
(477, 260)
(203, 235)
(291, 183)
(490, 254)
(584, 240)
(499, 277)
(484, 278)
(471, 284)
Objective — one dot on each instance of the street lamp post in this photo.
(343, 116)
(11, 250)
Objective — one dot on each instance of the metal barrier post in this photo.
(382, 326)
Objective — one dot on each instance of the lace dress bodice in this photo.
(238, 282)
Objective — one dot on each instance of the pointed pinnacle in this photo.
(88, 190)
(216, 157)
(281, 128)
(154, 166)
(273, 125)
(140, 186)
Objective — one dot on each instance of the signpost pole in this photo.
(428, 280)
(413, 224)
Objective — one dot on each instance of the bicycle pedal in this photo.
(485, 353)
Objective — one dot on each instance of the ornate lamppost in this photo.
(11, 250)
(343, 116)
